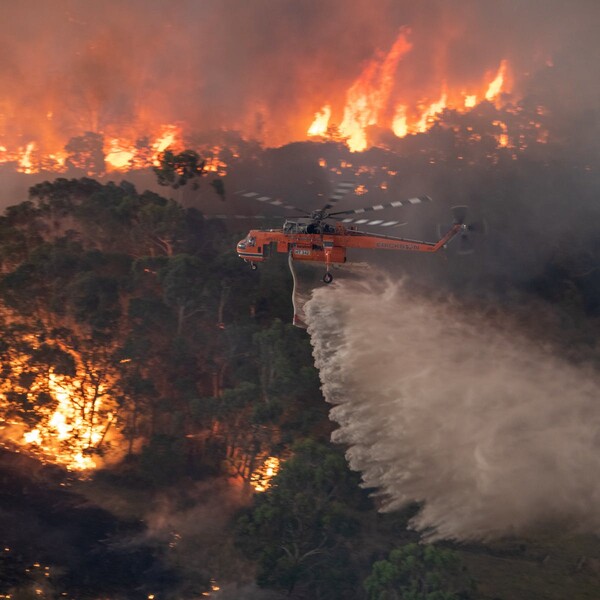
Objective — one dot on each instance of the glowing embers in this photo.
(261, 478)
(213, 161)
(214, 587)
(502, 137)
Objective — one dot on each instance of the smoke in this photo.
(194, 523)
(490, 431)
(261, 67)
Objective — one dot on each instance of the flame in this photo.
(370, 97)
(214, 162)
(73, 424)
(429, 113)
(495, 87)
(122, 152)
(470, 101)
(167, 139)
(400, 122)
(502, 137)
(119, 155)
(321, 122)
(25, 163)
(369, 94)
(260, 480)
(382, 94)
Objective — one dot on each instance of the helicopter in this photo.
(310, 237)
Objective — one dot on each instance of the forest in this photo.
(155, 394)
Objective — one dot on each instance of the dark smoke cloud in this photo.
(262, 67)
(491, 431)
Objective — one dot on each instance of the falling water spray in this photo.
(490, 432)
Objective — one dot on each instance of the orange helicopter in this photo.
(311, 238)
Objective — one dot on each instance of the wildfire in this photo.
(119, 155)
(470, 101)
(74, 428)
(400, 122)
(429, 113)
(373, 97)
(121, 152)
(368, 96)
(68, 423)
(74, 413)
(319, 125)
(25, 162)
(495, 86)
(503, 136)
(260, 480)
(214, 162)
(385, 95)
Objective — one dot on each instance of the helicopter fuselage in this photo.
(320, 242)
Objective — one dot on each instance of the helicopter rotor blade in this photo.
(250, 217)
(369, 222)
(478, 227)
(467, 239)
(341, 189)
(465, 245)
(459, 213)
(394, 204)
(270, 200)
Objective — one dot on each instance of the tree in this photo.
(177, 169)
(183, 280)
(300, 529)
(86, 153)
(419, 572)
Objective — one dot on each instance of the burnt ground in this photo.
(55, 541)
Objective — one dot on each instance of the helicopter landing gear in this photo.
(328, 277)
(253, 266)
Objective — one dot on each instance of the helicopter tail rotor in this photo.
(459, 213)
(468, 231)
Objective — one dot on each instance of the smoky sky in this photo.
(262, 67)
(493, 432)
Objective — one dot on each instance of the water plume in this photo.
(491, 432)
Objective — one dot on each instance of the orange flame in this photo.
(503, 136)
(382, 95)
(260, 480)
(72, 430)
(370, 93)
(429, 113)
(470, 101)
(25, 163)
(368, 100)
(400, 122)
(119, 155)
(73, 421)
(321, 121)
(495, 86)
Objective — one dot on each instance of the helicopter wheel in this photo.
(328, 277)
(253, 266)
